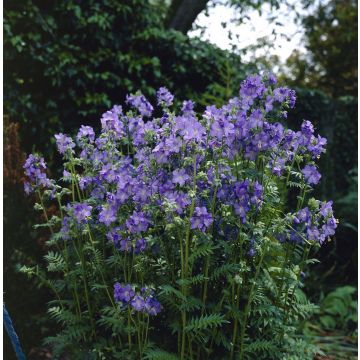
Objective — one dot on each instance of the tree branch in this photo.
(182, 14)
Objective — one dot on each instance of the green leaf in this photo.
(205, 322)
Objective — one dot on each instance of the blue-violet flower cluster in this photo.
(211, 175)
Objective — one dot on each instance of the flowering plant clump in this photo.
(172, 240)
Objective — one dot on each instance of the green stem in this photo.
(207, 261)
(302, 265)
(182, 262)
(292, 164)
(299, 205)
(145, 331)
(87, 298)
(128, 329)
(248, 307)
(138, 328)
(67, 261)
(186, 261)
(73, 173)
(80, 254)
(75, 295)
(235, 328)
(190, 348)
(277, 302)
(51, 286)
(183, 335)
(99, 268)
(302, 198)
(44, 212)
(237, 297)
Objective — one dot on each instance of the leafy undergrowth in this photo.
(333, 329)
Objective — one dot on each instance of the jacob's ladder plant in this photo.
(173, 238)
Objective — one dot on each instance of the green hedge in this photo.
(66, 63)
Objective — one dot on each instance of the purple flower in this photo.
(137, 222)
(123, 294)
(86, 132)
(295, 237)
(140, 103)
(64, 143)
(307, 129)
(251, 88)
(292, 98)
(221, 127)
(223, 192)
(330, 226)
(278, 166)
(188, 107)
(326, 209)
(113, 235)
(66, 175)
(252, 252)
(272, 79)
(152, 306)
(303, 216)
(201, 219)
(82, 212)
(312, 176)
(34, 169)
(84, 182)
(315, 225)
(269, 103)
(241, 209)
(241, 190)
(108, 173)
(164, 97)
(141, 193)
(107, 215)
(138, 303)
(182, 200)
(173, 144)
(256, 199)
(282, 93)
(313, 233)
(258, 189)
(180, 177)
(126, 245)
(256, 119)
(317, 146)
(140, 245)
(191, 129)
(32, 164)
(110, 121)
(65, 227)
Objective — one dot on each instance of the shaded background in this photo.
(66, 62)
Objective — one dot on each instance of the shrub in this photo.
(171, 240)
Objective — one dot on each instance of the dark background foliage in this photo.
(66, 62)
(330, 33)
(336, 119)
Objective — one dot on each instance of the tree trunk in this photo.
(182, 14)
